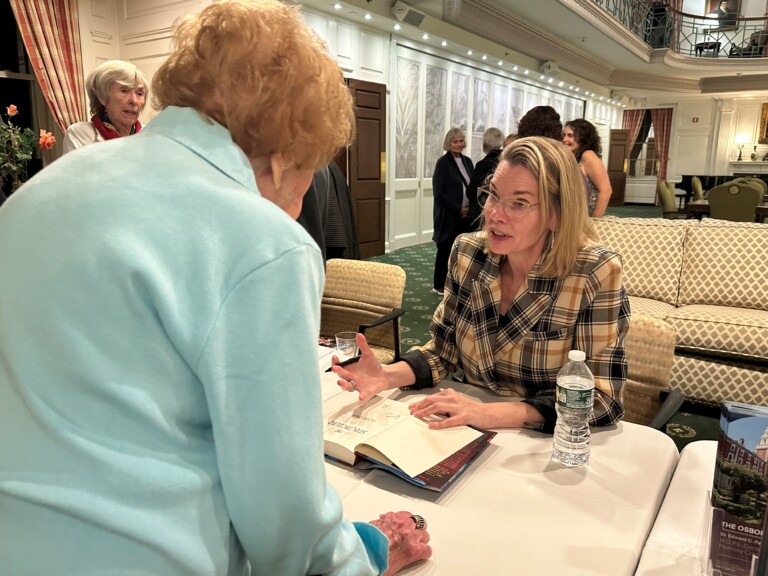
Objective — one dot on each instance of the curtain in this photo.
(632, 120)
(50, 30)
(662, 127)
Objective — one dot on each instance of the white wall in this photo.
(703, 131)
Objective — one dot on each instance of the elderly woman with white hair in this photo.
(117, 93)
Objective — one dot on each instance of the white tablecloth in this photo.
(675, 543)
(516, 512)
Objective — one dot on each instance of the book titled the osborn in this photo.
(740, 489)
(381, 433)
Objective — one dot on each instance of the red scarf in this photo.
(107, 130)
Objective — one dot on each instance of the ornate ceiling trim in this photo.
(491, 22)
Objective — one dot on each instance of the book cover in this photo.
(381, 433)
(740, 489)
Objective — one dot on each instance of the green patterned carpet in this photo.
(419, 302)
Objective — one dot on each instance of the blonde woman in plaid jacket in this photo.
(521, 293)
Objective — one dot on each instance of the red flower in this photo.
(11, 110)
(47, 140)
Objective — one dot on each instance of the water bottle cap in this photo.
(577, 356)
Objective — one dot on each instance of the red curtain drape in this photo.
(661, 118)
(632, 120)
(50, 30)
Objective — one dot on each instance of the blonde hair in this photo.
(561, 191)
(107, 73)
(255, 67)
(450, 135)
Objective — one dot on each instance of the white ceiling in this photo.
(582, 39)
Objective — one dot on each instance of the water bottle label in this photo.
(570, 398)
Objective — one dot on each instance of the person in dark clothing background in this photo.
(450, 208)
(326, 214)
(492, 141)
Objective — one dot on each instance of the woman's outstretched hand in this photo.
(366, 376)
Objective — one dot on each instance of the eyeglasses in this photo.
(514, 209)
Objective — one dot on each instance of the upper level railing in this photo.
(661, 26)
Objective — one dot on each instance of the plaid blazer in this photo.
(588, 310)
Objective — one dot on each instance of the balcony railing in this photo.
(661, 26)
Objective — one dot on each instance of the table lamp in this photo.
(741, 139)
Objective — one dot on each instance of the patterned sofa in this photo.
(708, 280)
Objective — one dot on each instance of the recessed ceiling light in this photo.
(514, 68)
(425, 36)
(485, 57)
(541, 77)
(368, 16)
(526, 71)
(337, 6)
(577, 88)
(443, 43)
(500, 63)
(551, 80)
(560, 84)
(469, 52)
(397, 26)
(602, 98)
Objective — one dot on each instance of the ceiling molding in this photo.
(609, 26)
(489, 21)
(756, 82)
(629, 79)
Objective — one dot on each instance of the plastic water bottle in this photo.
(575, 396)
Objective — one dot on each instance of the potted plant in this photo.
(17, 145)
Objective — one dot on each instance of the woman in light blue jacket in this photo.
(160, 407)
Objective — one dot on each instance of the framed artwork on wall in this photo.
(726, 12)
(762, 135)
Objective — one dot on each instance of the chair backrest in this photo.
(357, 292)
(667, 199)
(755, 182)
(696, 187)
(734, 201)
(758, 39)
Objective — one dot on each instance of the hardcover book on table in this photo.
(740, 489)
(381, 433)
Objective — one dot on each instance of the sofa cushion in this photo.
(726, 264)
(651, 250)
(714, 380)
(721, 330)
(648, 307)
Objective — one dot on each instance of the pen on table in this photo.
(346, 362)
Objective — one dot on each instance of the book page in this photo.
(413, 447)
(348, 422)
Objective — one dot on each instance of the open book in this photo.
(381, 433)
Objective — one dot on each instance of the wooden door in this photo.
(617, 162)
(367, 167)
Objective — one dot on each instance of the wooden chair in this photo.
(364, 297)
(734, 201)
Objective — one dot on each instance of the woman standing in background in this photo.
(117, 93)
(581, 137)
(451, 206)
